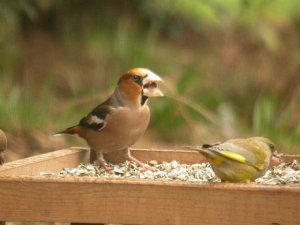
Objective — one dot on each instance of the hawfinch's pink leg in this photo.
(140, 164)
(102, 162)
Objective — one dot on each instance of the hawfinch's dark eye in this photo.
(137, 79)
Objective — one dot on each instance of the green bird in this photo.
(239, 160)
(3, 145)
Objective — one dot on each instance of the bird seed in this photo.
(285, 173)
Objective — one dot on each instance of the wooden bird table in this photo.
(27, 196)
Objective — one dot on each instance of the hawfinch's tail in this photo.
(71, 130)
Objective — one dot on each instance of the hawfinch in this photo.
(239, 160)
(122, 119)
(3, 145)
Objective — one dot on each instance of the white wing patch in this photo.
(93, 119)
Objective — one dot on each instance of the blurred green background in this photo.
(231, 68)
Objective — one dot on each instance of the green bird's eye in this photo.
(272, 147)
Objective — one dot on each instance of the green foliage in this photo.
(269, 120)
(217, 57)
(19, 109)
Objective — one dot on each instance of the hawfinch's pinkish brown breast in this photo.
(122, 119)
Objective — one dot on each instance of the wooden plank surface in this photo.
(145, 155)
(96, 200)
(25, 196)
(55, 161)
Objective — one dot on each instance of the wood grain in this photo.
(145, 155)
(96, 200)
(53, 161)
(93, 157)
(26, 196)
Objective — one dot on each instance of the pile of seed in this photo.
(285, 173)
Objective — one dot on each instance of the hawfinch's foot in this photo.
(104, 165)
(140, 164)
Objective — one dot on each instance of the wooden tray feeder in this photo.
(27, 196)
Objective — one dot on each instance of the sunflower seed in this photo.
(285, 173)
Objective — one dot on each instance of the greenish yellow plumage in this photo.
(239, 160)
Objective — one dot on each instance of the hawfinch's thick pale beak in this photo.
(150, 88)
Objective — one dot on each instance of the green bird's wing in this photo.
(236, 153)
(256, 153)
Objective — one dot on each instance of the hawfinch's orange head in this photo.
(139, 83)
